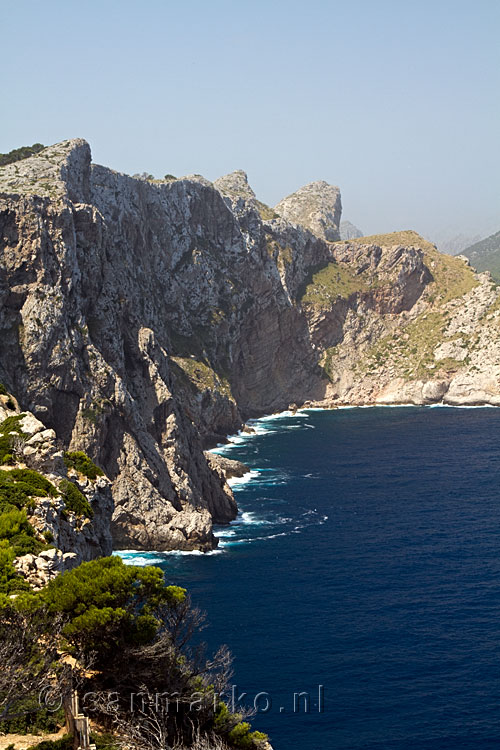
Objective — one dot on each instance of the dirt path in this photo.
(23, 741)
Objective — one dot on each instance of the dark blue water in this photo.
(367, 560)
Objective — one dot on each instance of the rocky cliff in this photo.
(55, 516)
(142, 320)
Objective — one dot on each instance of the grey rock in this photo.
(316, 206)
(348, 231)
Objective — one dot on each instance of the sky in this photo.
(397, 103)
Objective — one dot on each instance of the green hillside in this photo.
(485, 255)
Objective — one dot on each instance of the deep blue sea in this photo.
(366, 559)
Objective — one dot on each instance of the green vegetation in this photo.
(20, 153)
(79, 461)
(452, 276)
(19, 534)
(328, 283)
(201, 376)
(74, 500)
(19, 486)
(129, 633)
(238, 732)
(10, 581)
(109, 604)
(327, 362)
(64, 743)
(8, 426)
(406, 238)
(266, 213)
(34, 720)
(411, 352)
(3, 390)
(485, 255)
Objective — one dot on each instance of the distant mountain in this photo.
(456, 244)
(348, 231)
(485, 255)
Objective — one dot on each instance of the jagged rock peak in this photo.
(349, 231)
(235, 185)
(59, 171)
(316, 206)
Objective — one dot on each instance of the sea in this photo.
(359, 588)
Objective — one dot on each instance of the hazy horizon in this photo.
(396, 105)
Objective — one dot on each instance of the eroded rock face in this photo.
(316, 206)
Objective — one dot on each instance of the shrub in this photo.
(237, 731)
(6, 455)
(104, 741)
(241, 736)
(9, 425)
(3, 390)
(35, 481)
(79, 461)
(18, 532)
(109, 604)
(12, 424)
(10, 581)
(64, 743)
(20, 153)
(18, 486)
(33, 719)
(75, 500)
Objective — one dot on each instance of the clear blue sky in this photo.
(398, 103)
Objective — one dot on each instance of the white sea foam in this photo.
(247, 477)
(224, 533)
(135, 557)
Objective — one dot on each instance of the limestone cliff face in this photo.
(142, 320)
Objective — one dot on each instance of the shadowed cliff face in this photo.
(142, 320)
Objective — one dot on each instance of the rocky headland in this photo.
(143, 320)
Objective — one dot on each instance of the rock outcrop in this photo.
(142, 320)
(316, 206)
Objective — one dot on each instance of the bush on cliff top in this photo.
(19, 533)
(19, 486)
(79, 461)
(109, 604)
(20, 153)
(75, 500)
